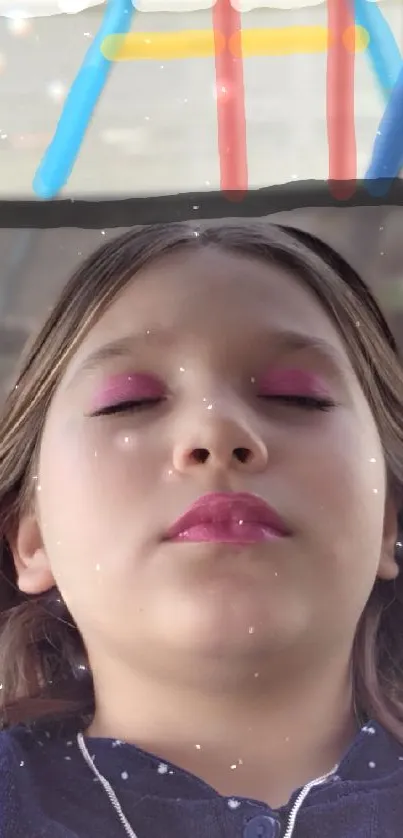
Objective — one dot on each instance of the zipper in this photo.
(300, 799)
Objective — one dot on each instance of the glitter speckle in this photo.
(233, 804)
(22, 763)
(116, 743)
(124, 775)
(372, 764)
(162, 768)
(369, 729)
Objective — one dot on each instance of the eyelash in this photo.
(304, 402)
(311, 403)
(126, 407)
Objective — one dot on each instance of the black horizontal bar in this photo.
(128, 212)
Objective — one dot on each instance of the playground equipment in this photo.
(353, 25)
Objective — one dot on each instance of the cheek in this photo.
(343, 477)
(95, 484)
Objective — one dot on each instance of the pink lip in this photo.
(228, 518)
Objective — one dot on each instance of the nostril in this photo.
(243, 454)
(200, 455)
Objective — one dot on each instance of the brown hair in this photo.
(44, 671)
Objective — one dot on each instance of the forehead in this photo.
(192, 295)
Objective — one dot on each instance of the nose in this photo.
(219, 441)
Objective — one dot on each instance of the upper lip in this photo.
(228, 507)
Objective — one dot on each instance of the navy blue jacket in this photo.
(47, 790)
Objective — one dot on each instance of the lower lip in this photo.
(229, 533)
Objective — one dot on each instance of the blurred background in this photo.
(155, 131)
(155, 127)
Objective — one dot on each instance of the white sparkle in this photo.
(233, 804)
(56, 90)
(372, 764)
(19, 25)
(162, 768)
(124, 775)
(370, 730)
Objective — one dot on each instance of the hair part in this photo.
(44, 669)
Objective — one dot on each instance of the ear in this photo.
(34, 575)
(388, 567)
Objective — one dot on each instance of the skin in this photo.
(212, 655)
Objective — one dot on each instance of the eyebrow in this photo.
(296, 342)
(282, 342)
(122, 348)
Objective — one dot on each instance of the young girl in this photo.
(201, 470)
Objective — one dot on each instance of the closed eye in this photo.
(304, 402)
(128, 406)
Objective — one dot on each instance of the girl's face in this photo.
(210, 373)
